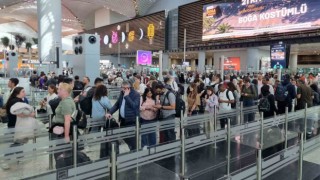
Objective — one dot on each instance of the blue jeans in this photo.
(249, 117)
(148, 139)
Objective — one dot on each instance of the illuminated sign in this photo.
(144, 57)
(278, 56)
(115, 38)
(151, 31)
(232, 63)
(131, 36)
(256, 17)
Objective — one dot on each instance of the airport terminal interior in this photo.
(160, 89)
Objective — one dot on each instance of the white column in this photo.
(49, 30)
(209, 61)
(222, 67)
(165, 62)
(253, 58)
(293, 62)
(201, 61)
(193, 64)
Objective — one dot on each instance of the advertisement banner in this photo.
(144, 57)
(278, 56)
(232, 63)
(256, 17)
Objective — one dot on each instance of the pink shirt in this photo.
(147, 112)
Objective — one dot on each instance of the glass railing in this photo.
(201, 148)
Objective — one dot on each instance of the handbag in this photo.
(80, 119)
(26, 128)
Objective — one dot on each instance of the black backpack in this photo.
(86, 102)
(180, 104)
(264, 104)
(54, 103)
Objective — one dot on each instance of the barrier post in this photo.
(50, 154)
(229, 148)
(183, 155)
(301, 156)
(286, 129)
(138, 144)
(259, 164)
(261, 131)
(305, 122)
(75, 145)
(215, 122)
(181, 122)
(241, 113)
(113, 160)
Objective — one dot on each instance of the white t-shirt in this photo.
(223, 96)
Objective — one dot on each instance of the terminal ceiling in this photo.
(20, 16)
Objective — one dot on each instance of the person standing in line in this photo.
(211, 100)
(148, 114)
(285, 99)
(128, 105)
(166, 104)
(248, 95)
(265, 94)
(225, 100)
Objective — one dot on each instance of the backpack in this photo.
(180, 104)
(316, 98)
(86, 101)
(281, 93)
(233, 105)
(54, 103)
(181, 89)
(264, 104)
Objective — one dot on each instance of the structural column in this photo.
(293, 62)
(253, 58)
(165, 62)
(209, 61)
(49, 31)
(201, 61)
(193, 64)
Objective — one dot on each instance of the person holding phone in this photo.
(52, 94)
(128, 105)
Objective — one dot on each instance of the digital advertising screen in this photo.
(147, 33)
(232, 63)
(144, 57)
(278, 56)
(243, 18)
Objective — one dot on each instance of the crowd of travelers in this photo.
(142, 95)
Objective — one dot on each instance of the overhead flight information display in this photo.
(147, 33)
(243, 18)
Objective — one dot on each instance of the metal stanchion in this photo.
(50, 153)
(75, 145)
(241, 113)
(286, 129)
(138, 144)
(183, 154)
(229, 148)
(259, 164)
(113, 162)
(215, 122)
(305, 122)
(261, 131)
(301, 156)
(181, 122)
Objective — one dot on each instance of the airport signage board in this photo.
(278, 56)
(245, 18)
(232, 63)
(144, 57)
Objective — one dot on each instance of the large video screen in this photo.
(242, 18)
(278, 56)
(143, 33)
(232, 63)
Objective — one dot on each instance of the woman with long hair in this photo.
(193, 109)
(16, 96)
(52, 94)
(211, 100)
(100, 105)
(148, 114)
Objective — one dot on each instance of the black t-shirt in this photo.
(12, 119)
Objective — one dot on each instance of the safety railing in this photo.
(209, 135)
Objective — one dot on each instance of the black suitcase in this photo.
(66, 160)
(105, 148)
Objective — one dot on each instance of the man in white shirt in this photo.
(226, 98)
